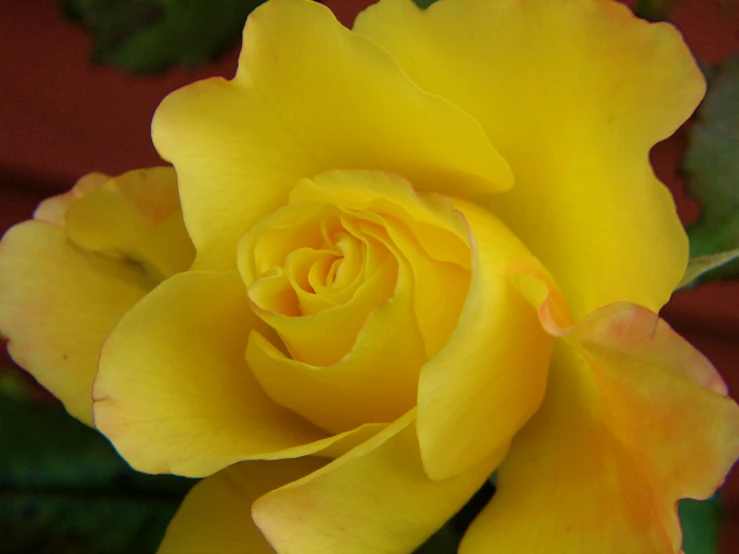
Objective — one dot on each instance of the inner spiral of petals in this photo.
(312, 273)
(317, 267)
(331, 256)
(323, 279)
(363, 280)
(304, 269)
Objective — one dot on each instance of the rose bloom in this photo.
(406, 256)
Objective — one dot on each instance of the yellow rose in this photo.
(427, 249)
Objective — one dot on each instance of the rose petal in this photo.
(376, 382)
(57, 305)
(291, 112)
(573, 93)
(67, 278)
(489, 379)
(431, 218)
(374, 500)
(628, 428)
(321, 338)
(427, 230)
(373, 375)
(54, 209)
(174, 394)
(136, 216)
(215, 517)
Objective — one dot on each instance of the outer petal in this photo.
(294, 112)
(489, 379)
(57, 305)
(215, 517)
(374, 500)
(136, 216)
(634, 420)
(54, 209)
(62, 288)
(174, 393)
(574, 93)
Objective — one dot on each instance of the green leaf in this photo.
(653, 10)
(698, 267)
(659, 10)
(445, 541)
(146, 36)
(424, 3)
(66, 523)
(711, 165)
(64, 489)
(701, 522)
(14, 385)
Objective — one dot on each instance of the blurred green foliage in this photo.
(701, 525)
(146, 36)
(711, 167)
(653, 10)
(700, 266)
(64, 490)
(659, 10)
(444, 541)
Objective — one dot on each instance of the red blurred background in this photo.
(61, 117)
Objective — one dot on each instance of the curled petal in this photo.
(136, 217)
(490, 377)
(215, 517)
(376, 499)
(426, 229)
(174, 393)
(54, 209)
(376, 382)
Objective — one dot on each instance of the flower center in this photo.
(322, 264)
(363, 280)
(315, 262)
